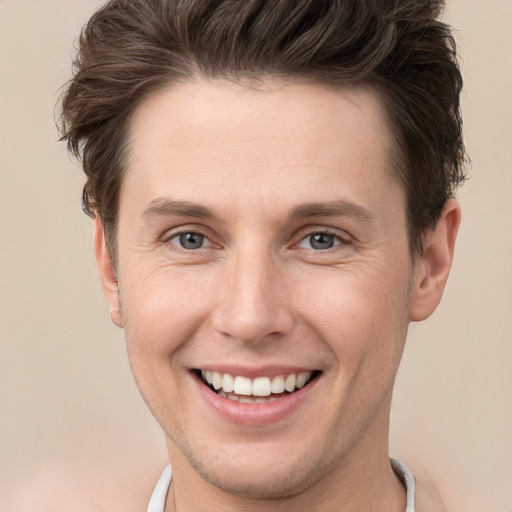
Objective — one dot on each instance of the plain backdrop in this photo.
(68, 405)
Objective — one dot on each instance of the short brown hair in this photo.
(398, 48)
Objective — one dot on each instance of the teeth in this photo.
(261, 386)
(302, 378)
(231, 396)
(289, 383)
(228, 383)
(242, 386)
(216, 380)
(239, 388)
(278, 384)
(246, 399)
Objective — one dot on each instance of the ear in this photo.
(107, 273)
(433, 266)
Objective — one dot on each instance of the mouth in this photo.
(259, 390)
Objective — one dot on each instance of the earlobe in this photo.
(107, 273)
(433, 266)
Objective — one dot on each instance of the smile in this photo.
(255, 398)
(258, 390)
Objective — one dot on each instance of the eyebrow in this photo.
(163, 207)
(339, 208)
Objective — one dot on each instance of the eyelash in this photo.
(337, 240)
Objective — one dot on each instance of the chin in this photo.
(247, 484)
(267, 474)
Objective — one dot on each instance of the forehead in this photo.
(217, 139)
(189, 110)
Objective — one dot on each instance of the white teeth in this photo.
(216, 380)
(278, 384)
(242, 386)
(289, 383)
(225, 383)
(228, 383)
(261, 386)
(302, 378)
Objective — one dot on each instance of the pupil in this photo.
(322, 241)
(191, 240)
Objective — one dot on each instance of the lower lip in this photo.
(254, 414)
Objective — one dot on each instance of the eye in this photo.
(189, 240)
(320, 241)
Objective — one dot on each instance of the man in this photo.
(272, 191)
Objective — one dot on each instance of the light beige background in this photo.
(68, 406)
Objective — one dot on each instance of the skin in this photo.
(257, 293)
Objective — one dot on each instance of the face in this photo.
(265, 279)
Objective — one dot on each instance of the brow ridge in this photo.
(165, 207)
(337, 208)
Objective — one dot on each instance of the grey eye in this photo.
(189, 241)
(320, 241)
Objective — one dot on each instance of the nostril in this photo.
(262, 324)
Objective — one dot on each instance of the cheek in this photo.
(162, 310)
(359, 315)
(161, 315)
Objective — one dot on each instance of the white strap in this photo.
(157, 501)
(407, 478)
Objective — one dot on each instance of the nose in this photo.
(253, 303)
